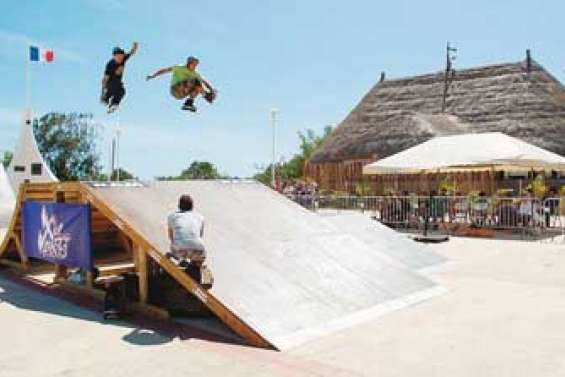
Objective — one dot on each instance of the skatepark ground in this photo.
(502, 316)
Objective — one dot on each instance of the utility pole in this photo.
(274, 113)
(449, 73)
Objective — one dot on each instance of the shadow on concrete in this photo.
(145, 337)
(144, 331)
(27, 298)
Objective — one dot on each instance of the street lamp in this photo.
(115, 152)
(274, 113)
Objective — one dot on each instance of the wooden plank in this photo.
(95, 293)
(149, 310)
(42, 197)
(117, 269)
(11, 264)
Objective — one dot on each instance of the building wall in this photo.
(345, 176)
(340, 176)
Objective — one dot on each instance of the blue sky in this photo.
(313, 60)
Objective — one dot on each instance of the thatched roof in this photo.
(400, 113)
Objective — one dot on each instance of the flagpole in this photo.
(28, 88)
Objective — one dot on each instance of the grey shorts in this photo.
(198, 256)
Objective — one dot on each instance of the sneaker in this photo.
(189, 105)
(112, 108)
(184, 264)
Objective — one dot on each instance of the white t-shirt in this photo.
(188, 230)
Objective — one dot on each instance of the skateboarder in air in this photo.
(187, 83)
(186, 229)
(113, 90)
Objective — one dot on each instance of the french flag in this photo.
(37, 54)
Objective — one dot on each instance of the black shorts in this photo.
(115, 93)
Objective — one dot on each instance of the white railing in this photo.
(415, 212)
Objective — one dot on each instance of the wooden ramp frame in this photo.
(103, 216)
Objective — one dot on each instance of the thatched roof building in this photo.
(520, 99)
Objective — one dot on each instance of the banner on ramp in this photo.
(58, 233)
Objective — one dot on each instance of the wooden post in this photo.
(89, 279)
(142, 273)
(20, 249)
(60, 270)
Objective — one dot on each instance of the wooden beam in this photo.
(125, 242)
(11, 264)
(60, 272)
(142, 274)
(89, 279)
(20, 249)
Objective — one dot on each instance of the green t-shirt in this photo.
(181, 74)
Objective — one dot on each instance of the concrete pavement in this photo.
(503, 316)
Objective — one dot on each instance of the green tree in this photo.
(7, 158)
(309, 141)
(68, 143)
(197, 170)
(363, 188)
(538, 186)
(294, 168)
(124, 176)
(201, 170)
(448, 185)
(263, 175)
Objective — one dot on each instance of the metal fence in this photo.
(415, 212)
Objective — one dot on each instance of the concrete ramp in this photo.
(382, 238)
(287, 273)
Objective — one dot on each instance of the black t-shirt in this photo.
(115, 71)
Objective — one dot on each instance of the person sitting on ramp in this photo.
(187, 83)
(113, 90)
(186, 229)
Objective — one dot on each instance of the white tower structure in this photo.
(27, 163)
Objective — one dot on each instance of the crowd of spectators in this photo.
(303, 193)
